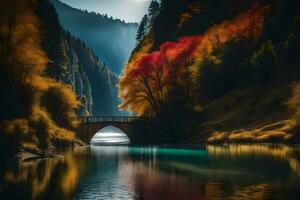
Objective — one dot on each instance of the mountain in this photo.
(218, 71)
(112, 40)
(47, 78)
(91, 79)
(76, 64)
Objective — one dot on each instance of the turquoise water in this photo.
(200, 172)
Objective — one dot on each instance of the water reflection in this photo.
(36, 178)
(202, 172)
(290, 154)
(214, 172)
(103, 180)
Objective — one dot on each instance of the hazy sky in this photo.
(128, 10)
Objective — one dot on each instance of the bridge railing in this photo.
(111, 119)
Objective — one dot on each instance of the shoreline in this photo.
(27, 153)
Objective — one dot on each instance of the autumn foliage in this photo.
(23, 69)
(149, 76)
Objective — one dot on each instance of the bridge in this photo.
(88, 126)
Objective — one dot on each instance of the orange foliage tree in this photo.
(149, 77)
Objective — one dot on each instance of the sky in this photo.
(127, 10)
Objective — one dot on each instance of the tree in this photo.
(177, 64)
(142, 31)
(153, 12)
(146, 85)
(52, 41)
(266, 61)
(8, 24)
(24, 81)
(292, 47)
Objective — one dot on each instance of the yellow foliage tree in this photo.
(23, 62)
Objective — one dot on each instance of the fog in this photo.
(111, 40)
(128, 10)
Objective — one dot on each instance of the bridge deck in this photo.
(111, 119)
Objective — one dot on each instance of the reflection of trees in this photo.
(283, 152)
(255, 192)
(57, 177)
(153, 174)
(149, 183)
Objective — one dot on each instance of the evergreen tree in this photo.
(265, 60)
(153, 12)
(142, 31)
(52, 41)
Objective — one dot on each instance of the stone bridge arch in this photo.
(89, 126)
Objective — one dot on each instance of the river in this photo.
(207, 172)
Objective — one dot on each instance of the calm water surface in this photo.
(203, 172)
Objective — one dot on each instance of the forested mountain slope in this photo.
(76, 64)
(219, 71)
(47, 78)
(112, 40)
(37, 108)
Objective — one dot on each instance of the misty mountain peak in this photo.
(112, 40)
